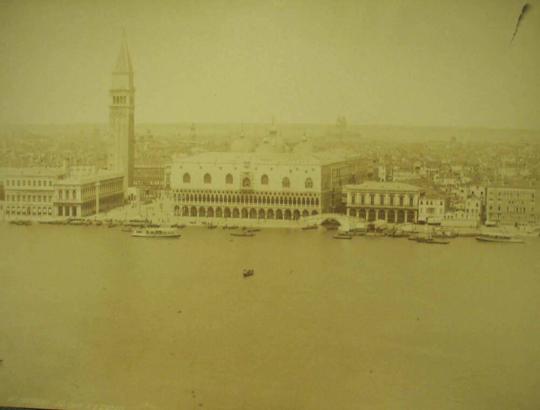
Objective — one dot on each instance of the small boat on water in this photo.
(309, 227)
(342, 235)
(211, 226)
(498, 237)
(374, 234)
(433, 241)
(156, 233)
(20, 222)
(243, 233)
(246, 273)
(251, 229)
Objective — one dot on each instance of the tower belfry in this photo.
(122, 115)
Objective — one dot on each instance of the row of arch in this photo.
(244, 213)
(255, 199)
(246, 181)
(382, 199)
(391, 215)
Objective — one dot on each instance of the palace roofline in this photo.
(263, 158)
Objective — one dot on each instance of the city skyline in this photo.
(437, 66)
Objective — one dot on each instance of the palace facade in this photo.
(278, 186)
(392, 202)
(84, 195)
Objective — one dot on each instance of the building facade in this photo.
(431, 209)
(85, 195)
(275, 186)
(392, 202)
(511, 206)
(29, 192)
(122, 117)
(464, 213)
(45, 193)
(149, 180)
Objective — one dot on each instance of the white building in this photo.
(431, 209)
(29, 192)
(82, 195)
(279, 186)
(393, 202)
(43, 193)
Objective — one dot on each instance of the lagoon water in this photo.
(93, 318)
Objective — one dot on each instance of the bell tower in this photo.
(122, 116)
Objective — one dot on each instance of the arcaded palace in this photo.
(258, 185)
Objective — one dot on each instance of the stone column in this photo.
(97, 197)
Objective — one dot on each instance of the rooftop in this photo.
(268, 158)
(383, 186)
(31, 172)
(88, 178)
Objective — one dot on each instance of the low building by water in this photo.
(392, 202)
(86, 195)
(42, 193)
(509, 206)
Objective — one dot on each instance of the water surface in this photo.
(90, 317)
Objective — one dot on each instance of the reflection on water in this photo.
(90, 316)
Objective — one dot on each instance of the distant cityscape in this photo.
(272, 174)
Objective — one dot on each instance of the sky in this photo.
(392, 62)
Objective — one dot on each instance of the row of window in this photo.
(65, 193)
(28, 182)
(510, 193)
(119, 99)
(369, 199)
(30, 210)
(246, 181)
(29, 198)
(431, 202)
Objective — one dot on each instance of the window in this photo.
(246, 182)
(309, 183)
(229, 179)
(207, 179)
(264, 180)
(285, 182)
(186, 178)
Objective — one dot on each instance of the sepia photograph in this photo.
(269, 204)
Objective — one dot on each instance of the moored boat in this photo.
(243, 233)
(498, 237)
(342, 235)
(156, 233)
(433, 241)
(20, 222)
(309, 227)
(246, 273)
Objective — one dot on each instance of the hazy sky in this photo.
(400, 62)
